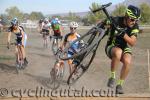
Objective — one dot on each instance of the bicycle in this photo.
(45, 38)
(19, 58)
(55, 43)
(86, 54)
(57, 72)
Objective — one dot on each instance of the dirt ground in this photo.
(41, 61)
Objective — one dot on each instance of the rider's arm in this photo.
(64, 42)
(130, 40)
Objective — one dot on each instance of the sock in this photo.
(113, 74)
(120, 82)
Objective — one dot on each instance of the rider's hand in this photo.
(121, 33)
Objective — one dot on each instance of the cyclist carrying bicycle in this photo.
(69, 38)
(21, 37)
(118, 45)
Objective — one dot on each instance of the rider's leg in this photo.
(16, 53)
(126, 60)
(19, 54)
(23, 52)
(70, 66)
(116, 54)
(59, 65)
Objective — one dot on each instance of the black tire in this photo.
(55, 78)
(55, 46)
(93, 38)
(83, 66)
(53, 81)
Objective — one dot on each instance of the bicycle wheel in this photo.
(89, 39)
(56, 75)
(85, 61)
(55, 46)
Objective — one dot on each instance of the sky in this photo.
(52, 6)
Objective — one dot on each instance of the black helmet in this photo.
(133, 12)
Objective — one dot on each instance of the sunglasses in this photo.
(73, 28)
(133, 20)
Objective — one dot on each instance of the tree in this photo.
(73, 17)
(36, 16)
(145, 13)
(13, 12)
(26, 16)
(120, 10)
(4, 19)
(93, 18)
(86, 21)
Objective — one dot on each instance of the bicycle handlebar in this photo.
(102, 7)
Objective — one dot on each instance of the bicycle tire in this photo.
(91, 44)
(55, 78)
(55, 46)
(53, 82)
(81, 67)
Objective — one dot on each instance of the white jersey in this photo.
(46, 26)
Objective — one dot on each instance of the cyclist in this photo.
(118, 45)
(40, 25)
(46, 30)
(57, 29)
(69, 38)
(21, 37)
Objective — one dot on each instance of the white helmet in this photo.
(74, 24)
(56, 19)
(46, 20)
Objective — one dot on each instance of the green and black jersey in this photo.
(119, 41)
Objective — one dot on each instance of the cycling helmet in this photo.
(133, 12)
(73, 24)
(58, 21)
(54, 21)
(14, 21)
(46, 20)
